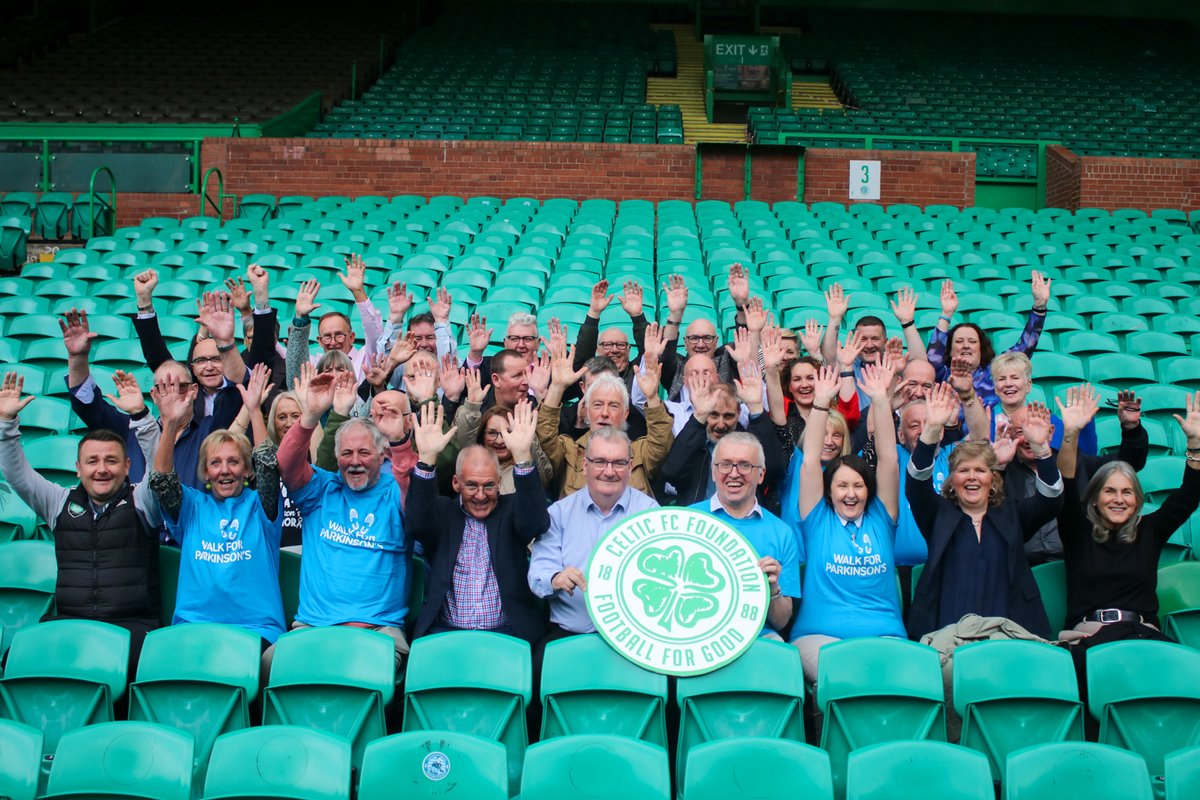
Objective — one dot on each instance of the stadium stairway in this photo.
(813, 93)
(686, 90)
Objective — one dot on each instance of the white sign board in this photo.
(864, 180)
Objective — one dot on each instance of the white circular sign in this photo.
(676, 591)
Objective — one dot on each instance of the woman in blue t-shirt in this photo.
(229, 568)
(848, 523)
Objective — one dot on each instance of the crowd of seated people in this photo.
(853, 454)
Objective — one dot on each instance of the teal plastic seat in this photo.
(28, 574)
(1076, 770)
(50, 218)
(337, 679)
(14, 235)
(54, 457)
(64, 675)
(279, 761)
(877, 690)
(197, 678)
(257, 207)
(1051, 579)
(587, 687)
(918, 771)
(1001, 715)
(472, 682)
(757, 767)
(1121, 371)
(595, 766)
(1183, 774)
(429, 764)
(1146, 697)
(20, 760)
(1179, 602)
(122, 759)
(761, 694)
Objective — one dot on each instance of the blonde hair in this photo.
(272, 431)
(215, 440)
(972, 451)
(839, 422)
(1012, 361)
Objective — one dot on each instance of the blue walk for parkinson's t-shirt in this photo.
(355, 565)
(850, 581)
(229, 566)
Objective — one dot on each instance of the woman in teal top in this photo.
(229, 567)
(848, 518)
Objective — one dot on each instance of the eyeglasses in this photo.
(602, 464)
(614, 345)
(200, 361)
(337, 336)
(695, 338)
(742, 467)
(476, 488)
(493, 434)
(521, 339)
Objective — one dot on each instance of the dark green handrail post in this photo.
(699, 172)
(45, 165)
(354, 79)
(1040, 198)
(218, 206)
(195, 165)
(800, 175)
(112, 180)
(747, 174)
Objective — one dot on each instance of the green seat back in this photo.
(14, 232)
(1179, 602)
(20, 760)
(284, 761)
(337, 679)
(877, 690)
(123, 759)
(28, 573)
(595, 766)
(472, 682)
(257, 207)
(918, 771)
(1051, 579)
(754, 767)
(1146, 696)
(50, 217)
(428, 764)
(587, 687)
(1076, 769)
(1183, 774)
(198, 678)
(761, 694)
(1001, 715)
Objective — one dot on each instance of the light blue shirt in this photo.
(911, 548)
(355, 565)
(229, 566)
(576, 524)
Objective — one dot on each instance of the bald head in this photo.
(614, 344)
(389, 402)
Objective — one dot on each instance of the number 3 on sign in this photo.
(864, 180)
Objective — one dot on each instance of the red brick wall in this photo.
(133, 207)
(1074, 182)
(921, 178)
(1062, 178)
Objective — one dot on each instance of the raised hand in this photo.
(904, 307)
(306, 298)
(215, 313)
(478, 335)
(1037, 428)
(1080, 408)
(894, 348)
(1129, 409)
(345, 393)
(77, 336)
(391, 420)
(562, 368)
(756, 315)
(556, 340)
(849, 350)
(941, 406)
(539, 375)
(741, 348)
(772, 347)
(403, 350)
(1041, 289)
(520, 432)
(700, 392)
(317, 397)
(253, 392)
(1006, 445)
(439, 306)
(877, 381)
(420, 380)
(144, 284)
(749, 385)
(655, 342)
(174, 401)
(811, 337)
(451, 377)
(949, 299)
(600, 299)
(354, 276)
(239, 296)
(428, 435)
(739, 285)
(11, 402)
(129, 397)
(301, 382)
(825, 388)
(260, 284)
(837, 302)
(632, 299)
(400, 300)
(962, 377)
(476, 391)
(677, 296)
(647, 376)
(1190, 422)
(378, 369)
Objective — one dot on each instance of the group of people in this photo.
(852, 454)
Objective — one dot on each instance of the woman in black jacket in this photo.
(976, 537)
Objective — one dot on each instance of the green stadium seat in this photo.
(1179, 602)
(472, 682)
(877, 690)
(46, 416)
(28, 574)
(257, 207)
(1054, 371)
(918, 771)
(279, 761)
(588, 688)
(1094, 771)
(91, 216)
(1177, 323)
(1183, 774)
(197, 678)
(51, 216)
(756, 767)
(595, 765)
(1151, 718)
(55, 457)
(1120, 371)
(17, 521)
(1117, 323)
(1000, 715)
(20, 759)
(122, 759)
(335, 679)
(18, 204)
(14, 233)
(64, 675)
(1088, 343)
(417, 764)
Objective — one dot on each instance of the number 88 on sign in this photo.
(676, 591)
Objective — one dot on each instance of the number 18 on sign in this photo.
(676, 591)
(864, 180)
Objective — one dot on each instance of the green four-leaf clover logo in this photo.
(675, 590)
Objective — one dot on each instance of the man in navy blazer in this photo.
(477, 544)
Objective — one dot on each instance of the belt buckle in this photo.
(1109, 615)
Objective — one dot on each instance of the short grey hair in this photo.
(609, 434)
(381, 441)
(335, 359)
(522, 318)
(606, 381)
(745, 439)
(473, 451)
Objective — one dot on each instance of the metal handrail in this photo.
(112, 202)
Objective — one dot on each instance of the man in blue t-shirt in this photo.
(354, 569)
(737, 470)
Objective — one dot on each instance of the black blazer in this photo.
(689, 462)
(437, 523)
(1013, 520)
